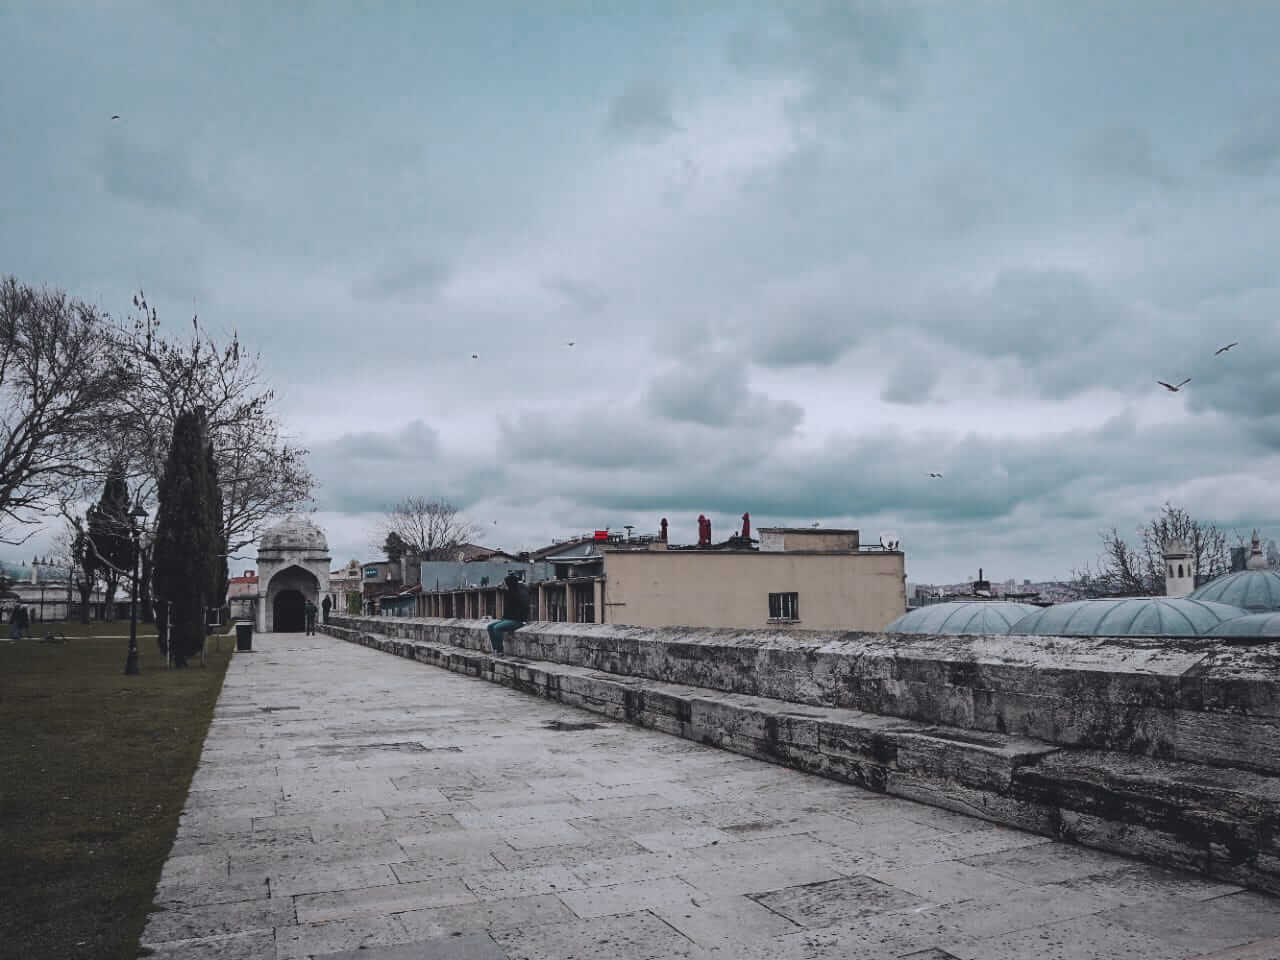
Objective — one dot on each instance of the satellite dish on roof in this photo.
(889, 539)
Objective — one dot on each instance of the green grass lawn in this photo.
(94, 770)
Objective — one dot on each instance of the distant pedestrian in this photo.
(311, 617)
(21, 621)
(325, 607)
(515, 612)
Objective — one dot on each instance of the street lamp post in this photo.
(136, 519)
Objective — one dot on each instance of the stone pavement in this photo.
(351, 804)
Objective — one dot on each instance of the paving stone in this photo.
(322, 880)
(219, 919)
(386, 899)
(485, 915)
(949, 881)
(308, 939)
(503, 884)
(1084, 938)
(723, 922)
(521, 784)
(629, 897)
(472, 946)
(822, 904)
(635, 936)
(254, 945)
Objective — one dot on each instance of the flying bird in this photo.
(1171, 388)
(937, 475)
(115, 116)
(571, 343)
(475, 356)
(1235, 343)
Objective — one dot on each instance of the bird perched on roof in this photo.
(1171, 388)
(937, 475)
(1234, 343)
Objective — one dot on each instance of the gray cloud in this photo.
(415, 278)
(1123, 153)
(1253, 149)
(712, 391)
(910, 384)
(642, 110)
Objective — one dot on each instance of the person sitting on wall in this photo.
(515, 612)
(311, 617)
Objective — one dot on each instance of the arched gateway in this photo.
(293, 567)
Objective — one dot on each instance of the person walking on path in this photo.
(515, 612)
(311, 617)
(21, 620)
(325, 607)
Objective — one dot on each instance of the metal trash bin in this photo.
(244, 635)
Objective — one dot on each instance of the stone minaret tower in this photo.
(1257, 559)
(1179, 578)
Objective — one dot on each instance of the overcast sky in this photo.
(806, 254)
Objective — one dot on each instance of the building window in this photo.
(784, 606)
(1179, 570)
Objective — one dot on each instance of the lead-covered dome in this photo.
(294, 532)
(1252, 590)
(1127, 617)
(962, 616)
(1258, 626)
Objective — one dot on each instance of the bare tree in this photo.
(428, 529)
(260, 472)
(1134, 571)
(59, 376)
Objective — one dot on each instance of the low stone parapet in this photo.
(1204, 701)
(1217, 820)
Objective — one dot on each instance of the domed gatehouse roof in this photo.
(1127, 617)
(1253, 590)
(294, 533)
(962, 616)
(1256, 626)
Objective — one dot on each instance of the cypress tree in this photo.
(109, 528)
(187, 535)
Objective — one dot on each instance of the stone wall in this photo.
(1165, 750)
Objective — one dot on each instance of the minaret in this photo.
(1257, 559)
(1179, 578)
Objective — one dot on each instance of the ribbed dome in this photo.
(1255, 590)
(1127, 617)
(962, 616)
(1258, 625)
(294, 532)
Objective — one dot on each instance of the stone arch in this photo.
(285, 595)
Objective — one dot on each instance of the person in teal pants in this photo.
(515, 612)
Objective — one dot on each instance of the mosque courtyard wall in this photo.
(1164, 749)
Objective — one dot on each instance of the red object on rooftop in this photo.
(602, 535)
(746, 526)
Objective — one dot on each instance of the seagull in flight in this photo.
(475, 356)
(1171, 388)
(1235, 343)
(115, 116)
(571, 343)
(935, 475)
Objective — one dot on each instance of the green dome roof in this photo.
(962, 616)
(1127, 617)
(1255, 590)
(1258, 625)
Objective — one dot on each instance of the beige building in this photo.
(808, 579)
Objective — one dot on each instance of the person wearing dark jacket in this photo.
(515, 612)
